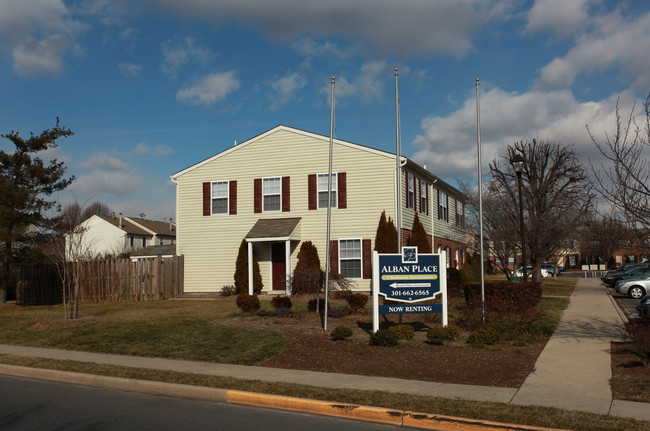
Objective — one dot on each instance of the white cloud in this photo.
(367, 85)
(560, 17)
(209, 89)
(441, 27)
(143, 149)
(104, 161)
(310, 48)
(448, 144)
(103, 182)
(284, 89)
(37, 33)
(130, 69)
(614, 41)
(180, 52)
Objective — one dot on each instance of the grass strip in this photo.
(499, 412)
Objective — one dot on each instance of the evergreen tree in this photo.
(391, 233)
(386, 238)
(26, 184)
(419, 237)
(307, 275)
(241, 271)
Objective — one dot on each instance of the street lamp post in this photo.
(517, 163)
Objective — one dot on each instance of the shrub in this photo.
(384, 337)
(280, 312)
(281, 302)
(403, 332)
(338, 312)
(639, 336)
(439, 334)
(241, 271)
(228, 291)
(356, 301)
(485, 335)
(341, 333)
(307, 276)
(311, 305)
(248, 303)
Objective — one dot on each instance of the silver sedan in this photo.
(636, 288)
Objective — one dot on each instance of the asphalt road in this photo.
(41, 405)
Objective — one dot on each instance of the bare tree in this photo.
(557, 195)
(623, 179)
(600, 237)
(500, 221)
(96, 208)
(69, 245)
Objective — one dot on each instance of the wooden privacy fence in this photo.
(108, 280)
(114, 280)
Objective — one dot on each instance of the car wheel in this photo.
(636, 292)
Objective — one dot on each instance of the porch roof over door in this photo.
(276, 229)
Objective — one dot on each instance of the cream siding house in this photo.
(100, 236)
(272, 191)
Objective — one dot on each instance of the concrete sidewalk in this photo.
(572, 373)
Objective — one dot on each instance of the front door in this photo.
(279, 266)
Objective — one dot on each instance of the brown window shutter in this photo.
(257, 195)
(334, 256)
(406, 189)
(286, 190)
(313, 193)
(232, 197)
(341, 179)
(206, 199)
(426, 195)
(366, 253)
(416, 194)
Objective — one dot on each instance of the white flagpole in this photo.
(480, 195)
(398, 171)
(329, 208)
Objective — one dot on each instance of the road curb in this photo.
(201, 393)
(374, 414)
(119, 383)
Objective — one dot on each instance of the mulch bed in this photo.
(311, 348)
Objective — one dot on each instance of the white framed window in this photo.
(410, 179)
(220, 197)
(350, 258)
(424, 197)
(443, 210)
(322, 191)
(272, 194)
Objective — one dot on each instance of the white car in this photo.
(529, 272)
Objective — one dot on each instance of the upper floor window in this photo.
(424, 197)
(410, 179)
(220, 197)
(272, 193)
(443, 209)
(322, 191)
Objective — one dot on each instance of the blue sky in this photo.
(151, 87)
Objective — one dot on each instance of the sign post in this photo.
(409, 278)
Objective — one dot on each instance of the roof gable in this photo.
(285, 129)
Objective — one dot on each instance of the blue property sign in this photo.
(409, 278)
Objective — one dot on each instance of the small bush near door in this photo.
(248, 303)
(281, 302)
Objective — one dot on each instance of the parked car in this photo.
(615, 266)
(636, 288)
(529, 272)
(644, 307)
(551, 267)
(622, 268)
(636, 272)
